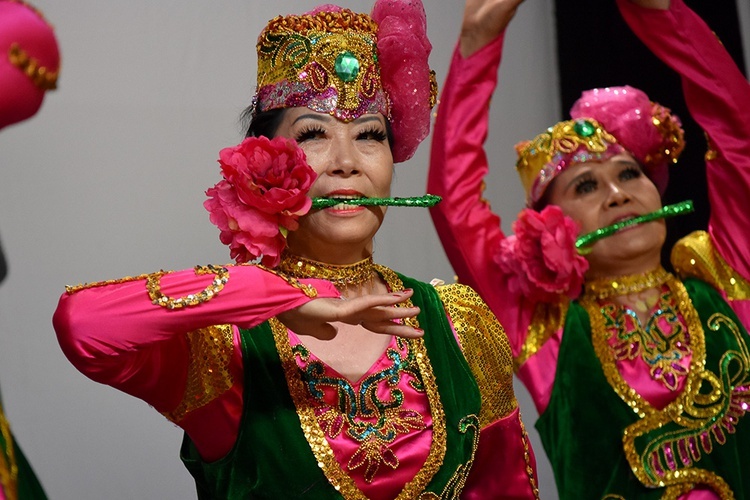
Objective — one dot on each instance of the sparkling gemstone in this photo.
(584, 128)
(346, 66)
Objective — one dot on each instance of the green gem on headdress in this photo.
(346, 66)
(584, 128)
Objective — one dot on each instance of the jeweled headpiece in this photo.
(606, 122)
(336, 61)
(29, 60)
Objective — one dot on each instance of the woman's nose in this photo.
(617, 196)
(343, 160)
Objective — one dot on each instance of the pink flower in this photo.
(263, 193)
(541, 260)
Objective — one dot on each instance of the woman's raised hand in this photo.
(374, 312)
(484, 20)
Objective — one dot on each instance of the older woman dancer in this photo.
(641, 378)
(284, 390)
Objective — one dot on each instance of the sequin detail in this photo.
(8, 464)
(327, 62)
(316, 436)
(662, 343)
(43, 77)
(695, 256)
(485, 347)
(548, 318)
(457, 482)
(208, 374)
(153, 285)
(362, 415)
(708, 408)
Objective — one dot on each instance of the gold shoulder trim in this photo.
(695, 256)
(208, 376)
(485, 347)
(548, 318)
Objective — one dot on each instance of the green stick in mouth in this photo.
(425, 201)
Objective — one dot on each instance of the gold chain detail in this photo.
(342, 276)
(153, 285)
(527, 458)
(9, 467)
(603, 288)
(308, 290)
(42, 77)
(71, 289)
(315, 435)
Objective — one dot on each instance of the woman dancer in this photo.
(641, 378)
(284, 390)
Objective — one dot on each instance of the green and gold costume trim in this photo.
(8, 465)
(548, 318)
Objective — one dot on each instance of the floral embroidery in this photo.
(664, 447)
(364, 416)
(662, 343)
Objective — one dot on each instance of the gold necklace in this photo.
(342, 276)
(603, 288)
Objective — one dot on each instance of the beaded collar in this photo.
(342, 276)
(603, 288)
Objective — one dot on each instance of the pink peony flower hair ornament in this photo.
(260, 198)
(540, 260)
(336, 61)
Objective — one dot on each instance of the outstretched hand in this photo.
(484, 20)
(374, 312)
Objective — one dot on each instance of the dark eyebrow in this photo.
(314, 116)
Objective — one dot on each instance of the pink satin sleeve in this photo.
(114, 335)
(718, 96)
(469, 231)
(504, 463)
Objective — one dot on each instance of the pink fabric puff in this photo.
(20, 24)
(403, 52)
(628, 114)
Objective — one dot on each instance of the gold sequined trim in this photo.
(457, 482)
(486, 349)
(308, 290)
(315, 436)
(208, 374)
(71, 289)
(8, 464)
(695, 256)
(548, 318)
(342, 276)
(42, 77)
(527, 459)
(693, 409)
(603, 288)
(153, 285)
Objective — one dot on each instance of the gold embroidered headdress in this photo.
(605, 122)
(333, 61)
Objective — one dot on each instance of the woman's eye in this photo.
(630, 173)
(310, 133)
(372, 135)
(585, 186)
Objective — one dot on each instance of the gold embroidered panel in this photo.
(485, 347)
(208, 375)
(548, 318)
(695, 256)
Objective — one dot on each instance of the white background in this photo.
(108, 180)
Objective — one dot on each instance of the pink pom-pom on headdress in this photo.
(403, 51)
(647, 130)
